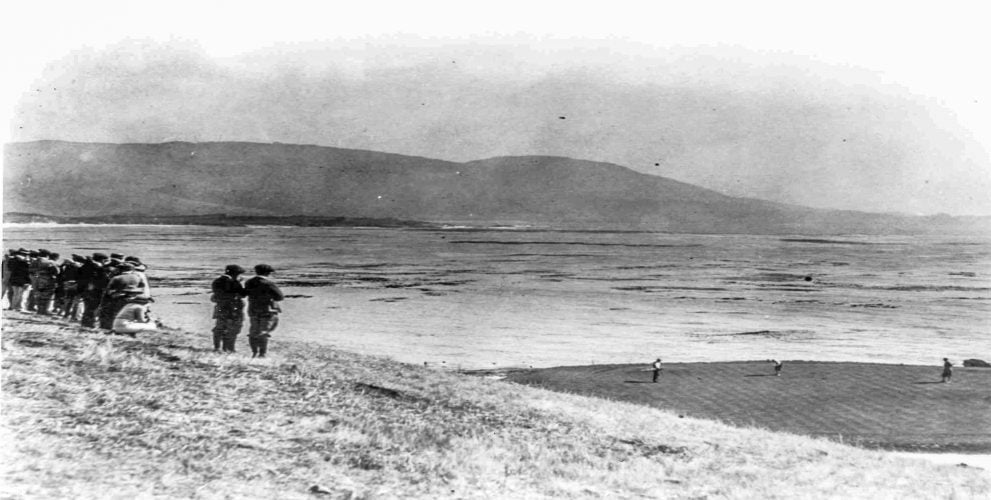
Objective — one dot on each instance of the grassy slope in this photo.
(90, 416)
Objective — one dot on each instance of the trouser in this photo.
(109, 307)
(259, 345)
(259, 332)
(18, 297)
(225, 332)
(44, 294)
(32, 293)
(657, 372)
(91, 304)
(71, 300)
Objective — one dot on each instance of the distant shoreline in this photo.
(212, 220)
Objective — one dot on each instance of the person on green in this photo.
(228, 309)
(263, 309)
(947, 370)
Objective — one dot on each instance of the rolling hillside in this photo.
(254, 179)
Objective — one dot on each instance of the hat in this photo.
(136, 262)
(234, 269)
(78, 258)
(264, 269)
(22, 251)
(99, 256)
(125, 266)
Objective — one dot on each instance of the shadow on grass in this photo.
(638, 382)
(930, 382)
(760, 375)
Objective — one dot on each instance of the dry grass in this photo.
(89, 416)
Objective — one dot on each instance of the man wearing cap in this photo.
(46, 280)
(33, 257)
(113, 267)
(69, 278)
(93, 281)
(228, 309)
(20, 279)
(263, 309)
(119, 288)
(139, 269)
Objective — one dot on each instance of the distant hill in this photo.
(173, 179)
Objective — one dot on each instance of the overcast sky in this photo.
(885, 108)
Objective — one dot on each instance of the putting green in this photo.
(894, 407)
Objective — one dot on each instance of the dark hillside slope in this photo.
(180, 178)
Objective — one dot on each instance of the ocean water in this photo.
(497, 298)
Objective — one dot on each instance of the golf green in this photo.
(894, 407)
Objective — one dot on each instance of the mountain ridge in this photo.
(179, 178)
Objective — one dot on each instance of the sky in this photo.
(882, 107)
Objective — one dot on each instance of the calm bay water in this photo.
(479, 299)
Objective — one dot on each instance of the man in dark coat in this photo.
(93, 281)
(45, 282)
(263, 309)
(228, 309)
(33, 257)
(20, 280)
(71, 291)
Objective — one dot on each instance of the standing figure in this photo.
(263, 309)
(92, 280)
(46, 281)
(657, 369)
(71, 292)
(20, 280)
(7, 290)
(33, 257)
(947, 371)
(777, 367)
(228, 307)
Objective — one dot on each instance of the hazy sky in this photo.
(885, 108)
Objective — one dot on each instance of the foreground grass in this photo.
(90, 416)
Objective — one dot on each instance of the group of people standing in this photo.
(228, 312)
(111, 292)
(93, 290)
